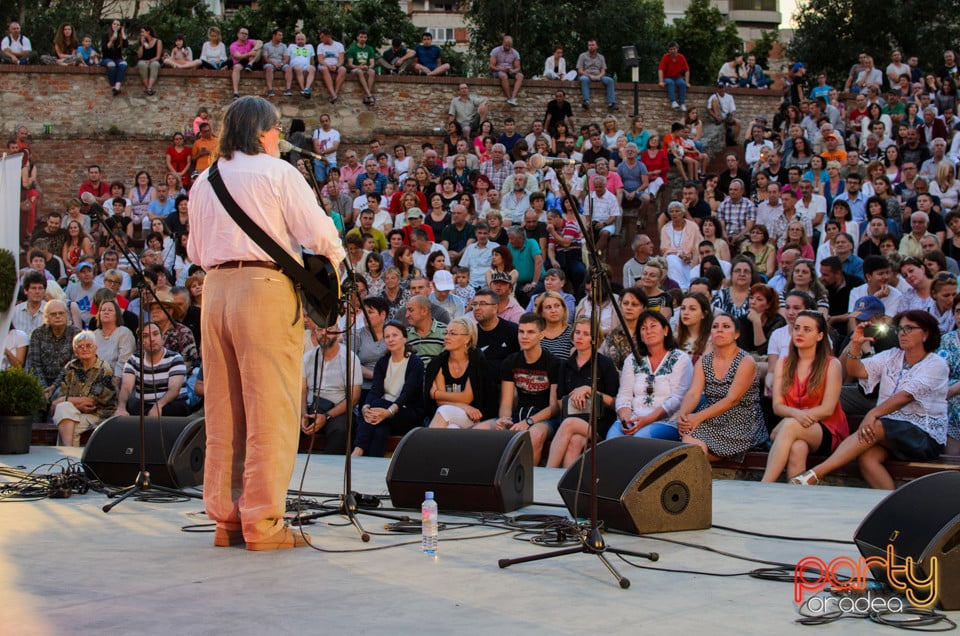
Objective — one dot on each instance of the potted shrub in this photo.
(21, 398)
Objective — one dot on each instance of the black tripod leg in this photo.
(349, 508)
(505, 563)
(126, 492)
(622, 580)
(651, 556)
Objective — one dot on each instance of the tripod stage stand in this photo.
(591, 539)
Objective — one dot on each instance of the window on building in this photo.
(753, 5)
(441, 35)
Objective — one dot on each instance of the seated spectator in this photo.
(394, 404)
(65, 45)
(163, 376)
(950, 352)
(149, 54)
(735, 299)
(555, 67)
(15, 47)
(721, 411)
(428, 57)
(213, 55)
(361, 58)
(87, 394)
(505, 65)
(759, 248)
(943, 291)
(806, 394)
(616, 344)
(398, 59)
(910, 419)
(324, 400)
(177, 337)
(575, 389)
(920, 279)
(115, 342)
(528, 391)
(651, 283)
(674, 73)
(694, 319)
(652, 389)
(426, 335)
(722, 110)
(803, 277)
(276, 57)
(112, 47)
(759, 323)
(557, 332)
(180, 56)
(455, 384)
(678, 243)
(608, 318)
(244, 54)
(50, 346)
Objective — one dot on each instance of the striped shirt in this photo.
(156, 380)
(429, 346)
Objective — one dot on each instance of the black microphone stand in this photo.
(142, 483)
(591, 539)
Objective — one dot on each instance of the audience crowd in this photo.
(803, 300)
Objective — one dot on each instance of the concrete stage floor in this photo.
(68, 568)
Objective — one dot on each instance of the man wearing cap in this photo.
(722, 109)
(674, 73)
(441, 296)
(507, 308)
(880, 337)
(876, 270)
(80, 292)
(797, 73)
(415, 222)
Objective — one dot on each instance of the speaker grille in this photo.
(675, 497)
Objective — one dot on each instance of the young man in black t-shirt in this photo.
(528, 392)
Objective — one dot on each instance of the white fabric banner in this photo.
(10, 223)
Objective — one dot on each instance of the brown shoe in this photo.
(283, 540)
(223, 538)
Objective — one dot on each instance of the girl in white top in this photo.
(555, 67)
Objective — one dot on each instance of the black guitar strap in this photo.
(288, 264)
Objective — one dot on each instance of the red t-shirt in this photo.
(673, 68)
(103, 189)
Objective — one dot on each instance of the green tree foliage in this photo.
(706, 39)
(537, 26)
(831, 33)
(763, 46)
(189, 18)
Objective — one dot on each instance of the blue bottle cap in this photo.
(429, 494)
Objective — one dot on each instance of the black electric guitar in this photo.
(317, 279)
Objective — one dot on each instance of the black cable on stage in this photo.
(782, 537)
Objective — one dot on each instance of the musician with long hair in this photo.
(252, 359)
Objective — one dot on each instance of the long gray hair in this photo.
(243, 123)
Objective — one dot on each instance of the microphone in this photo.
(539, 161)
(96, 210)
(286, 146)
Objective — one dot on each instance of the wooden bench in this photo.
(755, 462)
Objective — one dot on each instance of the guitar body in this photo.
(323, 309)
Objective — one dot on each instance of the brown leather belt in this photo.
(242, 264)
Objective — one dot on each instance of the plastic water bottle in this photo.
(428, 514)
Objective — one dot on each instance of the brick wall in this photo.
(129, 133)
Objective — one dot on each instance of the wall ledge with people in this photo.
(90, 125)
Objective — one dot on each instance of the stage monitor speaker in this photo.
(643, 486)
(477, 471)
(921, 520)
(174, 448)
